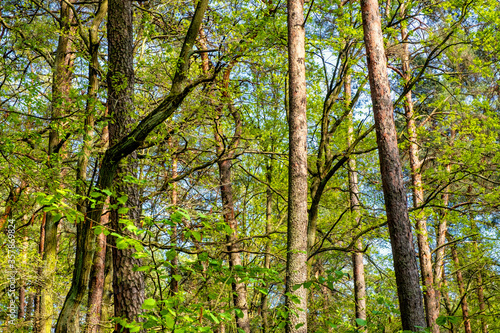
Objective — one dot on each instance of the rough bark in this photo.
(358, 266)
(128, 285)
(296, 266)
(405, 264)
(424, 252)
(85, 237)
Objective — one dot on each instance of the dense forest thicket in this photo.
(249, 166)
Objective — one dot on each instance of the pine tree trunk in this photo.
(358, 266)
(405, 263)
(128, 285)
(126, 146)
(424, 252)
(296, 266)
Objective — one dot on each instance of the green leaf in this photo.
(177, 277)
(121, 244)
(122, 200)
(196, 235)
(239, 313)
(360, 322)
(169, 321)
(149, 304)
(299, 325)
(122, 210)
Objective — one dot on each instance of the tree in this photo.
(296, 269)
(405, 264)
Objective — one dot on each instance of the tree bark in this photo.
(180, 88)
(296, 266)
(61, 85)
(128, 285)
(358, 266)
(226, 191)
(424, 253)
(267, 257)
(461, 287)
(97, 280)
(405, 264)
(174, 284)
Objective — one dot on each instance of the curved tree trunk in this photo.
(296, 265)
(405, 263)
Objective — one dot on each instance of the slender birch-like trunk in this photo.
(296, 266)
(358, 266)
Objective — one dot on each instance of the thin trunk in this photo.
(97, 280)
(174, 284)
(22, 285)
(226, 190)
(424, 252)
(296, 266)
(97, 275)
(267, 257)
(239, 288)
(358, 266)
(61, 84)
(482, 304)
(461, 287)
(441, 238)
(41, 247)
(405, 263)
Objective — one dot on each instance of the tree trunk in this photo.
(38, 311)
(128, 144)
(267, 257)
(405, 264)
(296, 266)
(97, 280)
(226, 191)
(128, 285)
(358, 266)
(461, 287)
(441, 238)
(61, 85)
(424, 253)
(174, 284)
(22, 314)
(482, 304)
